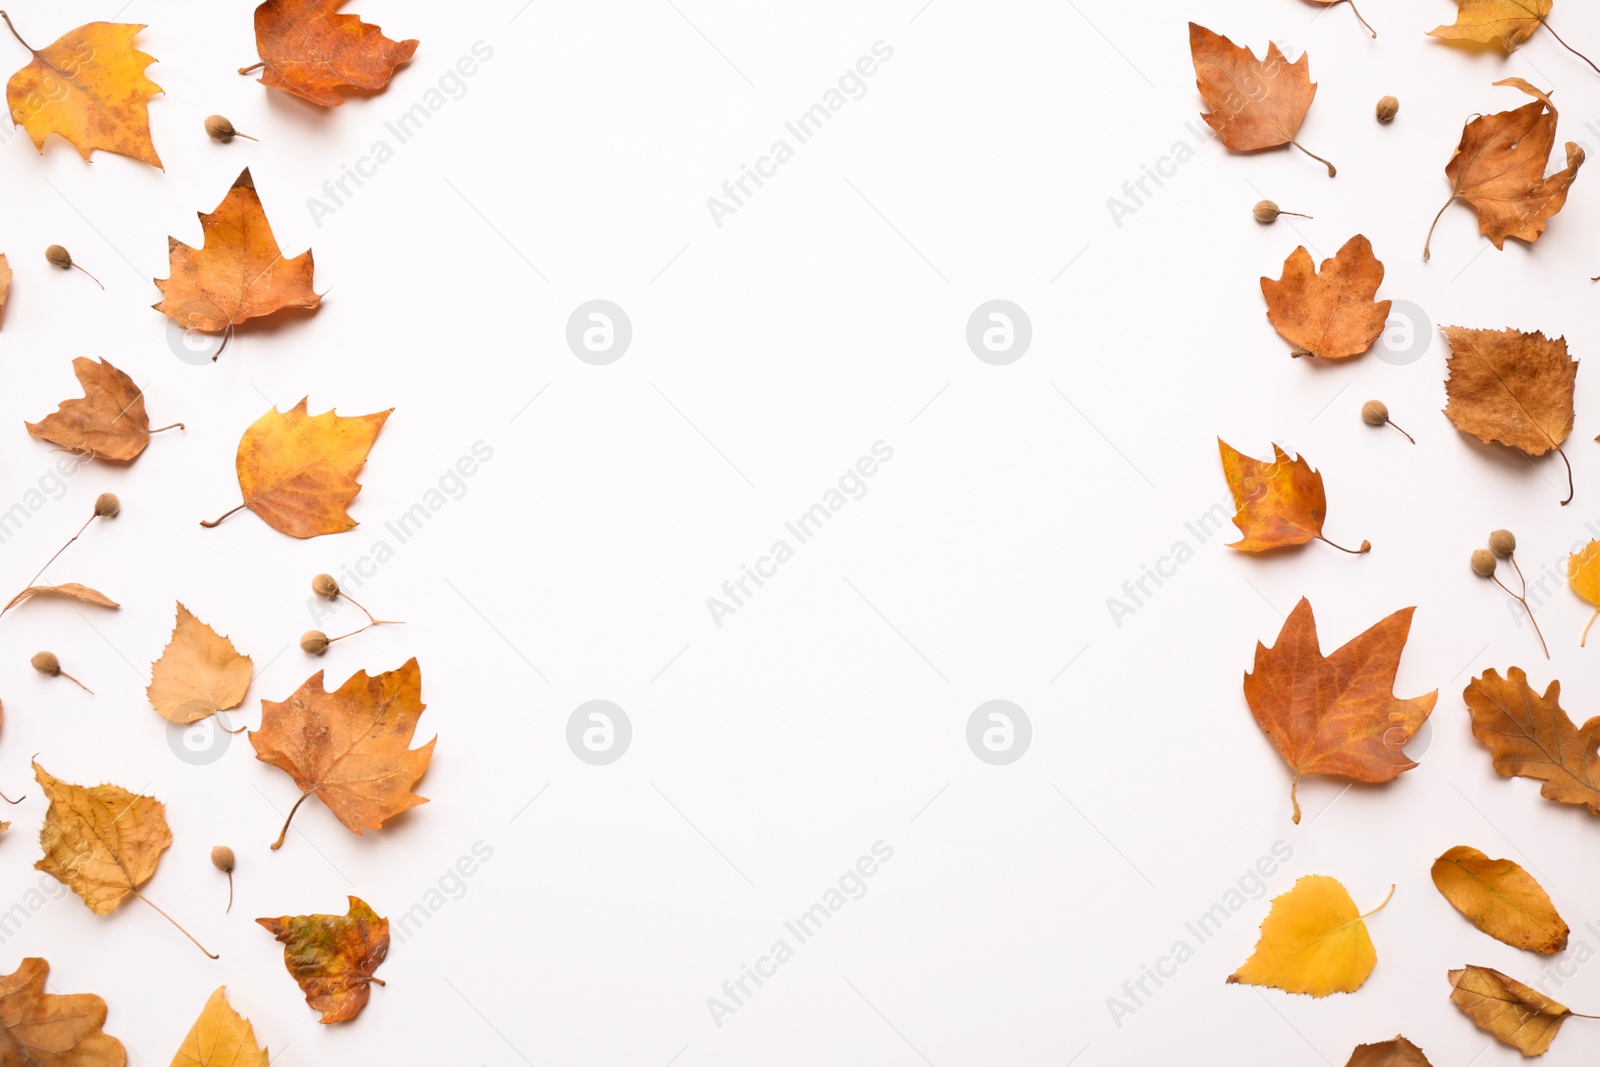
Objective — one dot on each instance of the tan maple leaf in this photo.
(1332, 315)
(109, 422)
(1254, 103)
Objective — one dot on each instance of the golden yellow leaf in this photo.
(1501, 899)
(1516, 1015)
(1312, 941)
(1583, 575)
(221, 1037)
(1506, 23)
(5, 285)
(199, 673)
(90, 88)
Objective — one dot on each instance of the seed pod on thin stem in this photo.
(222, 859)
(1266, 211)
(61, 259)
(218, 128)
(1503, 544)
(314, 642)
(1376, 413)
(48, 665)
(326, 586)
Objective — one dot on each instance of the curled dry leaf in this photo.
(1254, 103)
(1278, 503)
(334, 957)
(89, 87)
(1516, 1015)
(309, 50)
(1313, 941)
(1512, 388)
(1394, 1053)
(1529, 736)
(238, 273)
(40, 1029)
(1332, 315)
(298, 471)
(220, 1037)
(1498, 168)
(1338, 714)
(109, 422)
(350, 747)
(1501, 899)
(199, 673)
(68, 590)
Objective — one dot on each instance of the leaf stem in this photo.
(1380, 907)
(1428, 244)
(1361, 20)
(30, 48)
(1366, 546)
(1546, 25)
(1294, 797)
(1582, 640)
(285, 831)
(174, 922)
(1332, 170)
(1562, 453)
(8, 800)
(219, 518)
(242, 70)
(174, 426)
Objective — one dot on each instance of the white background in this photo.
(770, 353)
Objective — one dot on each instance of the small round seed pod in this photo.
(222, 859)
(107, 506)
(1502, 543)
(1483, 563)
(1387, 109)
(46, 663)
(218, 128)
(325, 586)
(1266, 211)
(1374, 413)
(58, 257)
(314, 642)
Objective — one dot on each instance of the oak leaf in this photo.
(1511, 388)
(40, 1029)
(1254, 103)
(1501, 899)
(1337, 714)
(67, 591)
(308, 49)
(1332, 315)
(350, 747)
(1514, 1014)
(1583, 575)
(1313, 941)
(220, 1037)
(237, 273)
(298, 471)
(199, 673)
(89, 87)
(109, 422)
(333, 957)
(1529, 736)
(1278, 503)
(1498, 168)
(1397, 1052)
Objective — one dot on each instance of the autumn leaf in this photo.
(40, 1029)
(1516, 1015)
(333, 957)
(1507, 23)
(298, 471)
(1498, 168)
(1511, 388)
(350, 747)
(1501, 899)
(5, 286)
(1583, 575)
(220, 1037)
(1254, 103)
(89, 87)
(67, 591)
(1312, 941)
(309, 50)
(103, 842)
(108, 423)
(199, 673)
(1278, 503)
(1529, 736)
(238, 273)
(1394, 1053)
(1332, 315)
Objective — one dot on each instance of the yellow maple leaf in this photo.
(1507, 23)
(1312, 941)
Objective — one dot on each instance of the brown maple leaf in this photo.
(1254, 103)
(1513, 388)
(1337, 714)
(40, 1029)
(309, 50)
(1332, 315)
(1279, 503)
(350, 747)
(108, 423)
(1530, 736)
(333, 957)
(1498, 168)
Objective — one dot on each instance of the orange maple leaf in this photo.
(1279, 503)
(1254, 103)
(334, 957)
(1332, 315)
(309, 50)
(1337, 714)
